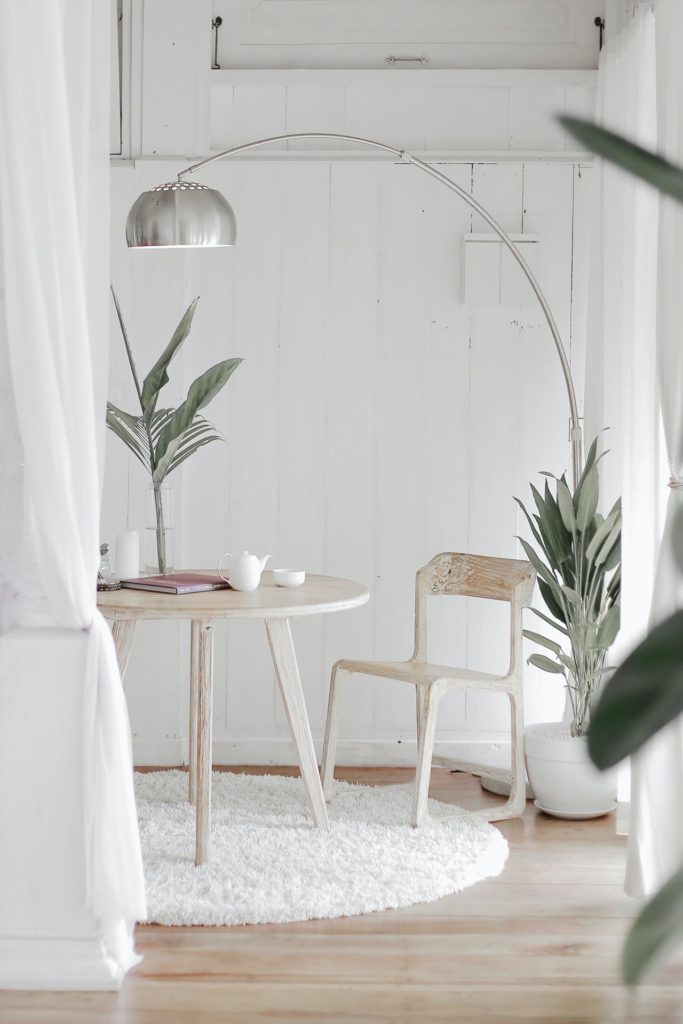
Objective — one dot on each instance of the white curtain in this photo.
(656, 838)
(54, 203)
(621, 377)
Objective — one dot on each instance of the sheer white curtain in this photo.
(656, 839)
(621, 376)
(620, 384)
(54, 107)
(634, 384)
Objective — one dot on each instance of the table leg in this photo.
(195, 631)
(284, 659)
(123, 631)
(204, 716)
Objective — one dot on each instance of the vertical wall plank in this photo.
(447, 418)
(300, 401)
(400, 391)
(351, 450)
(257, 193)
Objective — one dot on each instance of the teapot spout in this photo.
(262, 562)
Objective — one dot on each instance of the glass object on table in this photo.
(159, 530)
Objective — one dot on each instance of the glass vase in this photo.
(159, 530)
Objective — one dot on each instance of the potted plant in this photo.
(161, 439)
(578, 561)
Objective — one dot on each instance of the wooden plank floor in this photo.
(539, 943)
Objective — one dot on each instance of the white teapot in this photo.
(243, 570)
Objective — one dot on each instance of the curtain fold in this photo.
(621, 369)
(656, 838)
(54, 201)
(621, 377)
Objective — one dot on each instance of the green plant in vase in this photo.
(162, 439)
(579, 576)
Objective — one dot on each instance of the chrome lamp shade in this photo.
(180, 214)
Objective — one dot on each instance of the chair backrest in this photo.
(496, 579)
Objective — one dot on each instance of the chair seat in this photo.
(422, 672)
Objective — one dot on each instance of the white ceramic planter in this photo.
(564, 779)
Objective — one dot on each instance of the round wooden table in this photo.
(276, 606)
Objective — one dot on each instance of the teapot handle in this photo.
(223, 557)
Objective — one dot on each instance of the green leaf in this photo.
(658, 927)
(532, 526)
(200, 433)
(127, 417)
(552, 604)
(542, 640)
(566, 506)
(125, 427)
(546, 664)
(614, 587)
(568, 662)
(609, 627)
(643, 695)
(538, 565)
(549, 621)
(643, 163)
(555, 537)
(158, 375)
(614, 557)
(612, 538)
(600, 536)
(588, 496)
(201, 392)
(184, 453)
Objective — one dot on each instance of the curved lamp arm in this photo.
(576, 432)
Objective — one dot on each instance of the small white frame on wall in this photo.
(490, 274)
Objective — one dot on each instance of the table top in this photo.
(316, 596)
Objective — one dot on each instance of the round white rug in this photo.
(269, 864)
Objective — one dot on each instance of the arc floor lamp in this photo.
(184, 213)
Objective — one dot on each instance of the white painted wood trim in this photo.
(280, 750)
(312, 78)
(58, 965)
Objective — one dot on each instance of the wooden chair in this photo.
(498, 579)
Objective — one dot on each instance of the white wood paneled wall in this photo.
(376, 420)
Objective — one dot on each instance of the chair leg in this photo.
(427, 703)
(518, 790)
(331, 728)
(514, 807)
(418, 711)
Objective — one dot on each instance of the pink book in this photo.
(177, 583)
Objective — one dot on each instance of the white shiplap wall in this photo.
(376, 420)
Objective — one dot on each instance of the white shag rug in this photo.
(270, 864)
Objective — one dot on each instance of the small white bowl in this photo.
(289, 577)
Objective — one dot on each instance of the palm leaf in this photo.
(566, 506)
(542, 640)
(126, 428)
(201, 392)
(200, 433)
(158, 375)
(644, 694)
(185, 453)
(549, 621)
(587, 504)
(553, 605)
(533, 528)
(643, 163)
(546, 664)
(658, 928)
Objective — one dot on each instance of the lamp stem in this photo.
(576, 433)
